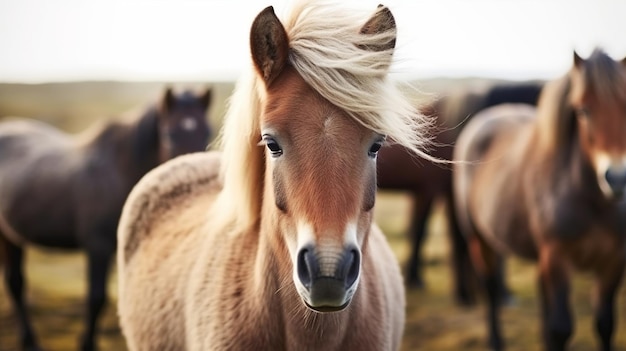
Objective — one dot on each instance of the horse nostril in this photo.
(353, 264)
(307, 267)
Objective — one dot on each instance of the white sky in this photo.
(173, 40)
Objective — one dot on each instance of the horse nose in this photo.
(616, 178)
(328, 277)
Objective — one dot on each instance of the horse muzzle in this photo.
(328, 278)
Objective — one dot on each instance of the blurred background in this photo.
(72, 63)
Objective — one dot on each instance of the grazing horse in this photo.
(547, 185)
(427, 181)
(67, 192)
(270, 244)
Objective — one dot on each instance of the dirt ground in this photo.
(56, 290)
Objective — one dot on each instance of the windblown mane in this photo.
(557, 120)
(352, 77)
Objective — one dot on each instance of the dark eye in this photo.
(373, 151)
(272, 145)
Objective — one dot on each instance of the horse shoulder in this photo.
(159, 235)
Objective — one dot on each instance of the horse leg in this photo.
(507, 296)
(421, 209)
(609, 280)
(98, 266)
(14, 279)
(487, 264)
(464, 276)
(554, 282)
(465, 280)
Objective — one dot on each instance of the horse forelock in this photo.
(604, 78)
(331, 54)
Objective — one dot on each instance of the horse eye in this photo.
(272, 145)
(373, 151)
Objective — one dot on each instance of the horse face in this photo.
(183, 124)
(601, 118)
(320, 170)
(321, 166)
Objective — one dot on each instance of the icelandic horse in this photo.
(269, 244)
(547, 185)
(66, 192)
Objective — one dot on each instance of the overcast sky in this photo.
(200, 40)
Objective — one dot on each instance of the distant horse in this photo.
(270, 245)
(67, 192)
(548, 185)
(426, 181)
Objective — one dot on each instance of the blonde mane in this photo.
(352, 77)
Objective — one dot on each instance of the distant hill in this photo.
(73, 106)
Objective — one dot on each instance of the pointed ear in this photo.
(206, 97)
(578, 61)
(269, 45)
(167, 100)
(382, 21)
(624, 61)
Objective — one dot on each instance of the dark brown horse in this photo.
(67, 192)
(548, 185)
(427, 181)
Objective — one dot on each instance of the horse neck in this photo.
(555, 139)
(138, 146)
(562, 163)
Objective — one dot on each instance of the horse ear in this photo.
(624, 61)
(206, 97)
(382, 21)
(578, 61)
(269, 45)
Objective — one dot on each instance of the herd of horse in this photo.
(64, 191)
(268, 241)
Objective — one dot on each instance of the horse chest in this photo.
(590, 235)
(595, 249)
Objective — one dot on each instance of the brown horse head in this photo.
(598, 96)
(183, 125)
(324, 107)
(322, 167)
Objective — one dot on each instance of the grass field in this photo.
(57, 285)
